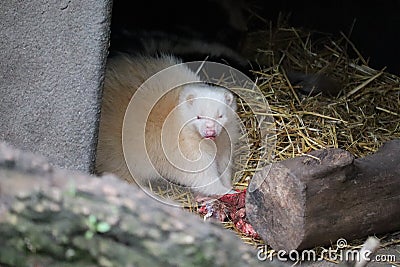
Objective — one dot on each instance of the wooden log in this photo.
(314, 200)
(51, 217)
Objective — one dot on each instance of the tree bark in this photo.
(51, 217)
(316, 199)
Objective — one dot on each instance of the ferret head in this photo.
(207, 109)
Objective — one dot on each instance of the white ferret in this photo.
(185, 134)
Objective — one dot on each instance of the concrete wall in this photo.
(52, 56)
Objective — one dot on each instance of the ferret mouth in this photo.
(212, 137)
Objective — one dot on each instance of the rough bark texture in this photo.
(51, 217)
(316, 199)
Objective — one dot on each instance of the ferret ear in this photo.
(189, 99)
(228, 98)
(187, 96)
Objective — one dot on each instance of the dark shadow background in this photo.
(376, 31)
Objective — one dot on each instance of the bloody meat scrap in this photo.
(230, 207)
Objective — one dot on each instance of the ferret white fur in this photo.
(189, 135)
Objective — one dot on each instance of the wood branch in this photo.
(51, 217)
(316, 199)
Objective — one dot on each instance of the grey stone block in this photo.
(51, 72)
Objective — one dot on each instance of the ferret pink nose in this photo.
(210, 132)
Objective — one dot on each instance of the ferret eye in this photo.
(198, 117)
(220, 116)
